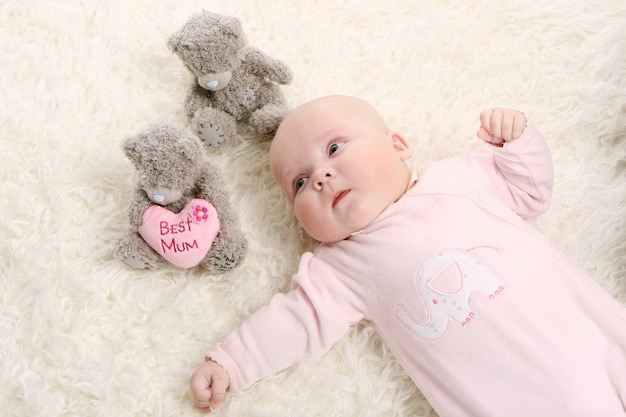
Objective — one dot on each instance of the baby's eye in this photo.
(334, 148)
(300, 183)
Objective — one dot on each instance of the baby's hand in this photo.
(501, 125)
(208, 386)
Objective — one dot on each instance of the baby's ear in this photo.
(400, 145)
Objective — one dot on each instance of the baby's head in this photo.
(339, 165)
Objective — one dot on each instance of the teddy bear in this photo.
(181, 210)
(232, 81)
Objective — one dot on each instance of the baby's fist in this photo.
(501, 125)
(208, 386)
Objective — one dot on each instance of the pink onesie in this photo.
(486, 316)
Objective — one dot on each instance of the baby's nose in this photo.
(325, 176)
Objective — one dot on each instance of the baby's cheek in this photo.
(313, 220)
(309, 217)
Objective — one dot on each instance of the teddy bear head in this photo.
(167, 159)
(211, 46)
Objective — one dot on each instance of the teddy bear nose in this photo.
(158, 198)
(215, 81)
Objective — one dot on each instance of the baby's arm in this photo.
(208, 386)
(309, 319)
(518, 163)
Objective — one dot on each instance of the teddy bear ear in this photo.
(231, 25)
(131, 147)
(190, 148)
(228, 25)
(173, 42)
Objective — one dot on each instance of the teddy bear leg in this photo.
(135, 252)
(227, 252)
(214, 126)
(266, 119)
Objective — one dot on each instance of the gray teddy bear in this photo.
(181, 202)
(232, 81)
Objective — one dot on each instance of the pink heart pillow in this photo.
(185, 238)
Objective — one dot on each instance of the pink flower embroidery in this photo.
(200, 213)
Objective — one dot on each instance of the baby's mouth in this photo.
(339, 196)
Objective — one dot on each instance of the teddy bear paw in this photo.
(226, 254)
(219, 263)
(211, 134)
(139, 262)
(249, 93)
(266, 119)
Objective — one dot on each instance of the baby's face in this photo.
(338, 165)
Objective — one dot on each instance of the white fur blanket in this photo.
(81, 334)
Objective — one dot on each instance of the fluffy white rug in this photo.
(83, 335)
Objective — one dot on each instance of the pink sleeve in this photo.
(522, 172)
(309, 319)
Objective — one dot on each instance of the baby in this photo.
(486, 316)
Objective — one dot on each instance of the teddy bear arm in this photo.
(225, 254)
(230, 246)
(263, 65)
(196, 99)
(213, 188)
(132, 250)
(137, 208)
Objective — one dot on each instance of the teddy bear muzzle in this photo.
(215, 81)
(163, 196)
